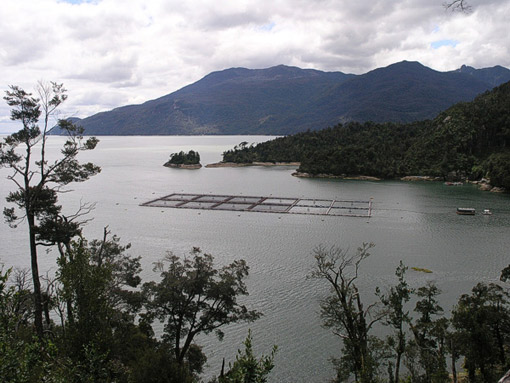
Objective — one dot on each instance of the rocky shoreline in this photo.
(183, 166)
(322, 175)
(243, 164)
(483, 184)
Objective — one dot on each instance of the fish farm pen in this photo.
(271, 204)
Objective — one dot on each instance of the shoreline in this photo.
(244, 164)
(183, 166)
(332, 176)
(482, 184)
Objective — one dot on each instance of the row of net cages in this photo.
(268, 204)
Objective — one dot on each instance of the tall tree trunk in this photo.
(38, 304)
(397, 367)
(454, 367)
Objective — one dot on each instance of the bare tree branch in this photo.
(457, 6)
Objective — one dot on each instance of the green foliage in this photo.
(498, 169)
(181, 158)
(194, 298)
(469, 140)
(505, 274)
(247, 368)
(482, 321)
(23, 357)
(427, 350)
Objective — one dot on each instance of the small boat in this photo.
(466, 211)
(453, 183)
(487, 212)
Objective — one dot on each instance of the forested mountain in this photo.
(467, 140)
(287, 100)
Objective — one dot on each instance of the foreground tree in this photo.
(430, 338)
(248, 368)
(482, 321)
(193, 297)
(37, 180)
(97, 294)
(397, 317)
(343, 311)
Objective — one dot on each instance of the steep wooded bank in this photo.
(469, 140)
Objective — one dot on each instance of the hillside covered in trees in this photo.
(469, 140)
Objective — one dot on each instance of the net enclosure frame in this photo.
(268, 204)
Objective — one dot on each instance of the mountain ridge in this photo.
(286, 99)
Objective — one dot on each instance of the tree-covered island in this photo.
(467, 141)
(190, 160)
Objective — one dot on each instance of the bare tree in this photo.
(344, 312)
(457, 6)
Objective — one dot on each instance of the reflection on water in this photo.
(413, 222)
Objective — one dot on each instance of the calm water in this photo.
(413, 222)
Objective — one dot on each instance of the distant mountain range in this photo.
(286, 100)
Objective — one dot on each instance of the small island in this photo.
(181, 160)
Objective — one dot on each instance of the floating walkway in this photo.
(271, 204)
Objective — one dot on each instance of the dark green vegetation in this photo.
(181, 158)
(425, 341)
(287, 100)
(468, 140)
(101, 330)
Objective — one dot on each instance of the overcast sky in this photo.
(111, 53)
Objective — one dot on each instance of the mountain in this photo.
(495, 76)
(402, 92)
(285, 100)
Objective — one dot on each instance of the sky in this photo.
(111, 53)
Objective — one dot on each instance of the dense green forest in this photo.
(182, 158)
(469, 140)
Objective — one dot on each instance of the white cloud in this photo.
(111, 52)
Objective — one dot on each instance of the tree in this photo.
(247, 368)
(430, 336)
(96, 284)
(193, 297)
(505, 274)
(182, 158)
(37, 180)
(343, 311)
(396, 316)
(22, 358)
(482, 321)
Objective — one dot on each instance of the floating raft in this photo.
(271, 204)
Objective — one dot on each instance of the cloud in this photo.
(111, 52)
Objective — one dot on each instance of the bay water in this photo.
(411, 221)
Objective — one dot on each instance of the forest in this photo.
(94, 319)
(467, 141)
(182, 158)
